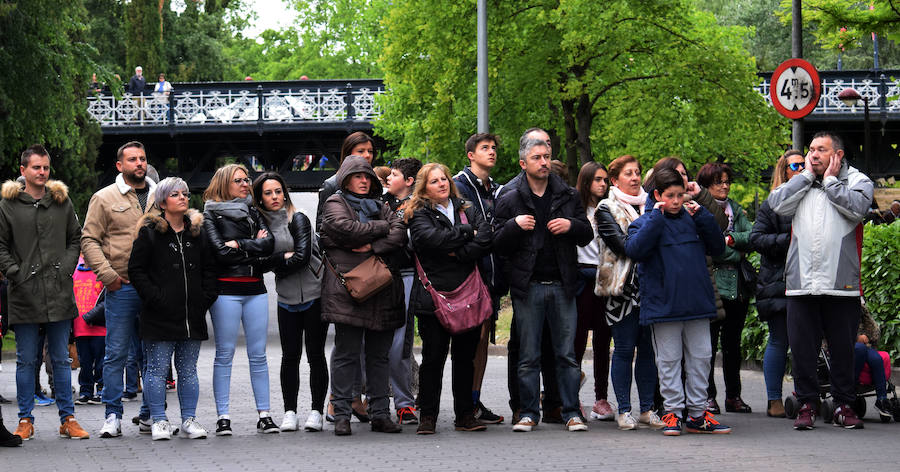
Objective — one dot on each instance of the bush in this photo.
(881, 282)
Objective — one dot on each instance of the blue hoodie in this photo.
(671, 254)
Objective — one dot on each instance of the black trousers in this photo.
(808, 319)
(436, 343)
(345, 369)
(551, 397)
(291, 329)
(728, 332)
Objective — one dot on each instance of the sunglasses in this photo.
(797, 166)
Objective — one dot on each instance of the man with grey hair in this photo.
(827, 202)
(539, 220)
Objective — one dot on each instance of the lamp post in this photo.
(851, 98)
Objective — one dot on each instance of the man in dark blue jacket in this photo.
(539, 220)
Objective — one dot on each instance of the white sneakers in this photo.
(651, 419)
(112, 427)
(290, 421)
(575, 424)
(626, 421)
(161, 431)
(192, 429)
(314, 422)
(525, 424)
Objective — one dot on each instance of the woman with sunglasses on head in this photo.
(298, 281)
(240, 238)
(173, 272)
(771, 236)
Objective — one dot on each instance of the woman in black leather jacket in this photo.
(297, 264)
(448, 250)
(241, 241)
(771, 236)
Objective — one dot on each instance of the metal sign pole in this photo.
(797, 53)
(482, 57)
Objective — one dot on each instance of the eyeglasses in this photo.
(177, 194)
(245, 180)
(723, 182)
(797, 166)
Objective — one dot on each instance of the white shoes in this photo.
(651, 419)
(525, 425)
(290, 421)
(626, 421)
(161, 431)
(314, 422)
(192, 429)
(575, 424)
(112, 427)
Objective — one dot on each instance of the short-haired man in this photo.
(539, 222)
(109, 231)
(39, 236)
(827, 201)
(138, 82)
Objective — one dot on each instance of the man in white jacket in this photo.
(827, 201)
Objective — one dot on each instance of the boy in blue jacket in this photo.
(670, 244)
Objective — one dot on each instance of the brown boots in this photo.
(775, 409)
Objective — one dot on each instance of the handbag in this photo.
(463, 308)
(366, 279)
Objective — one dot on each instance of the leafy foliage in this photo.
(881, 282)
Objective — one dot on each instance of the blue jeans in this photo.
(123, 307)
(547, 301)
(629, 335)
(775, 357)
(862, 355)
(90, 356)
(27, 353)
(159, 354)
(227, 313)
(133, 365)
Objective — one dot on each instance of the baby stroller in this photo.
(863, 390)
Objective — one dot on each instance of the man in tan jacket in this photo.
(106, 243)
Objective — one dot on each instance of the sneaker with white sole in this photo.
(161, 430)
(193, 430)
(626, 421)
(602, 411)
(112, 427)
(650, 419)
(575, 424)
(290, 421)
(145, 425)
(525, 424)
(314, 422)
(265, 425)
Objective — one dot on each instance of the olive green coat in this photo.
(727, 265)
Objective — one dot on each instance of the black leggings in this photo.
(290, 329)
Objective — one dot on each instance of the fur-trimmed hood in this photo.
(155, 220)
(58, 191)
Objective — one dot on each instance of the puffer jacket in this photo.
(770, 237)
(448, 250)
(726, 267)
(342, 231)
(237, 220)
(174, 274)
(39, 245)
(826, 231)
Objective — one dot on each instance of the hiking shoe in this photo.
(650, 419)
(25, 429)
(290, 421)
(626, 421)
(575, 424)
(193, 430)
(314, 421)
(705, 424)
(712, 406)
(265, 425)
(469, 423)
(736, 405)
(42, 400)
(112, 427)
(486, 416)
(883, 407)
(845, 417)
(806, 418)
(525, 424)
(602, 411)
(407, 415)
(673, 425)
(426, 425)
(223, 427)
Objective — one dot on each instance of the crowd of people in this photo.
(656, 262)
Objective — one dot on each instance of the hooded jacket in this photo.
(341, 232)
(826, 231)
(39, 246)
(770, 237)
(174, 274)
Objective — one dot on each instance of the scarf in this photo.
(638, 200)
(366, 208)
(278, 225)
(236, 209)
(728, 211)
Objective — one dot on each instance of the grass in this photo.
(9, 342)
(504, 320)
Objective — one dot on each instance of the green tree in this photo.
(144, 29)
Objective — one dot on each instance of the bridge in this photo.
(291, 125)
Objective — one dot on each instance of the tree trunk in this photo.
(568, 107)
(584, 119)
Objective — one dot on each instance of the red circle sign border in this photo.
(817, 86)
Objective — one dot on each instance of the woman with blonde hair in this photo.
(771, 236)
(241, 242)
(449, 237)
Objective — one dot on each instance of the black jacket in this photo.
(471, 188)
(771, 236)
(609, 230)
(448, 251)
(175, 278)
(137, 84)
(515, 246)
(248, 260)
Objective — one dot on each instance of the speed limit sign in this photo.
(795, 88)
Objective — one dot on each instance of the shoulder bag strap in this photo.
(333, 270)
